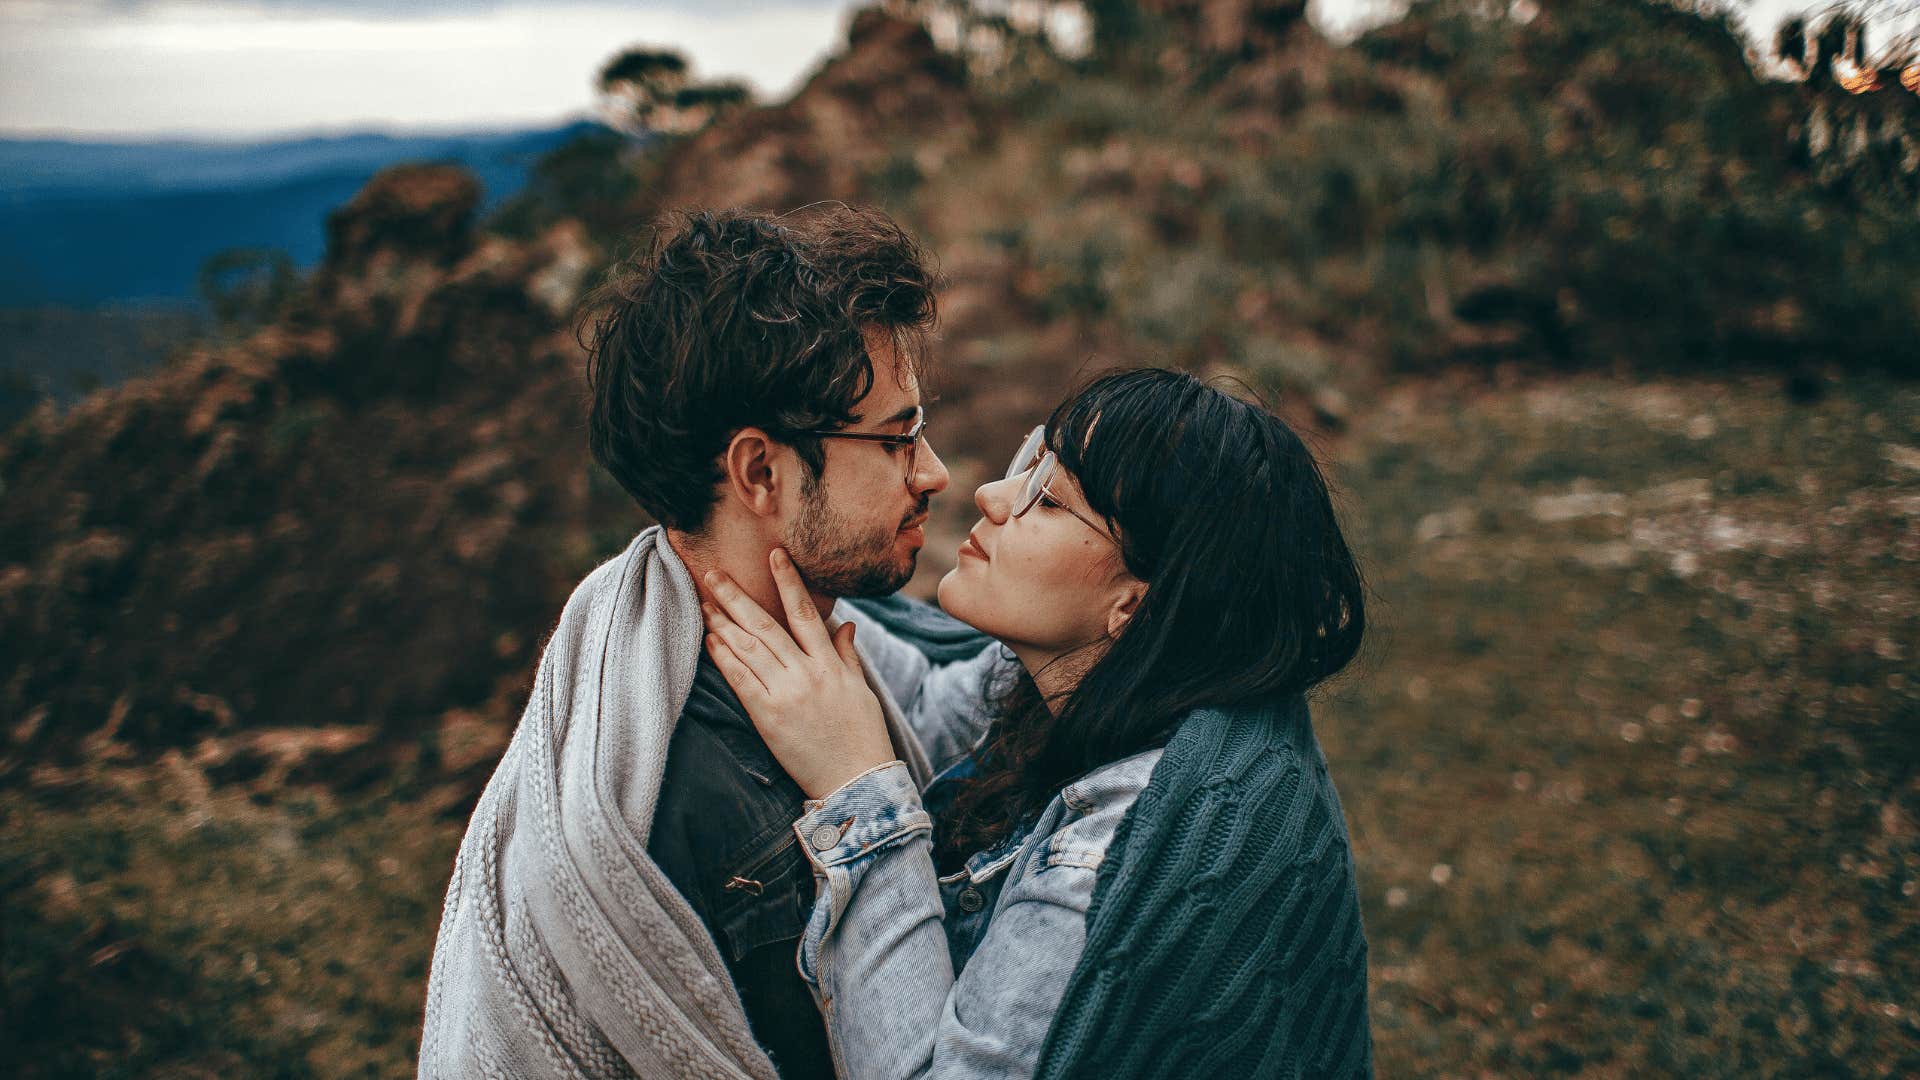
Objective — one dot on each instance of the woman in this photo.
(1142, 866)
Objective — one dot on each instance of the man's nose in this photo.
(930, 475)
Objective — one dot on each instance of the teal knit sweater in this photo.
(1224, 938)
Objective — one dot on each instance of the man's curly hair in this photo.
(733, 318)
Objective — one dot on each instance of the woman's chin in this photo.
(953, 594)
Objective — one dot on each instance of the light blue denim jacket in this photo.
(959, 976)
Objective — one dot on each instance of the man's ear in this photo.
(756, 467)
(1124, 605)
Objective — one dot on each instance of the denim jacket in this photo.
(958, 976)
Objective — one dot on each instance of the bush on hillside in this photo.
(1595, 183)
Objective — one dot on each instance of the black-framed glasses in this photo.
(1039, 463)
(910, 438)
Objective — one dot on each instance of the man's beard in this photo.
(839, 559)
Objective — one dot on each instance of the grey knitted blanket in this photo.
(563, 949)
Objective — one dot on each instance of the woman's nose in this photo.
(995, 498)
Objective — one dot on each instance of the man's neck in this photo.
(742, 558)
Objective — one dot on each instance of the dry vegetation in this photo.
(1632, 776)
(1614, 404)
(1630, 772)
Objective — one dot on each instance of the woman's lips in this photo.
(971, 547)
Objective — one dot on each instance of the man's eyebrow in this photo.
(902, 416)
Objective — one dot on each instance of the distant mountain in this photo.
(83, 224)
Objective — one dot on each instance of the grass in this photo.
(156, 925)
(1630, 771)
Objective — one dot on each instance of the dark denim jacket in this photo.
(722, 833)
(723, 828)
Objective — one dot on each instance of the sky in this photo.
(235, 69)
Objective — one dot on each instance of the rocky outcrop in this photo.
(891, 92)
(320, 529)
(410, 213)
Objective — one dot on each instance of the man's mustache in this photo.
(918, 512)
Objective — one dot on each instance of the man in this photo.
(630, 891)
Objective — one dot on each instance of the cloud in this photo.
(179, 69)
(127, 68)
(399, 10)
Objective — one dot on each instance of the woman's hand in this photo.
(804, 690)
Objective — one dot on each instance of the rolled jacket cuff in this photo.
(878, 808)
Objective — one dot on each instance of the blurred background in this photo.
(1604, 313)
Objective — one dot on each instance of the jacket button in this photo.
(971, 900)
(824, 837)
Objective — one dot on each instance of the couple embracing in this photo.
(763, 819)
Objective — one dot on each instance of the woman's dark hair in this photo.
(1252, 595)
(729, 319)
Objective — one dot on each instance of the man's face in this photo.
(858, 530)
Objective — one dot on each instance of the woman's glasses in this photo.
(1039, 463)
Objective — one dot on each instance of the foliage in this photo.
(645, 89)
(1604, 182)
(593, 179)
(1644, 199)
(246, 287)
(1860, 125)
(1585, 183)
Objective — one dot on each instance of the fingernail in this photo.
(780, 556)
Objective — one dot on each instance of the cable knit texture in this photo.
(1224, 937)
(564, 951)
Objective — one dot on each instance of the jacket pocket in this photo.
(767, 901)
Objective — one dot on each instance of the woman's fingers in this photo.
(843, 644)
(753, 619)
(746, 648)
(738, 675)
(803, 618)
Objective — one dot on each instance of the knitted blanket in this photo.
(563, 949)
(1224, 936)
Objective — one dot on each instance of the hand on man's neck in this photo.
(742, 556)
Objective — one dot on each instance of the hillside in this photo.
(1611, 375)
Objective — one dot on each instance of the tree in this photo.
(1861, 126)
(246, 287)
(1833, 45)
(651, 90)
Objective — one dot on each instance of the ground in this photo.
(1628, 765)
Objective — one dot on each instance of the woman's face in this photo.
(1044, 583)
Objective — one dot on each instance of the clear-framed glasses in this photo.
(1039, 463)
(911, 439)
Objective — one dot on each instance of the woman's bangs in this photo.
(1121, 439)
